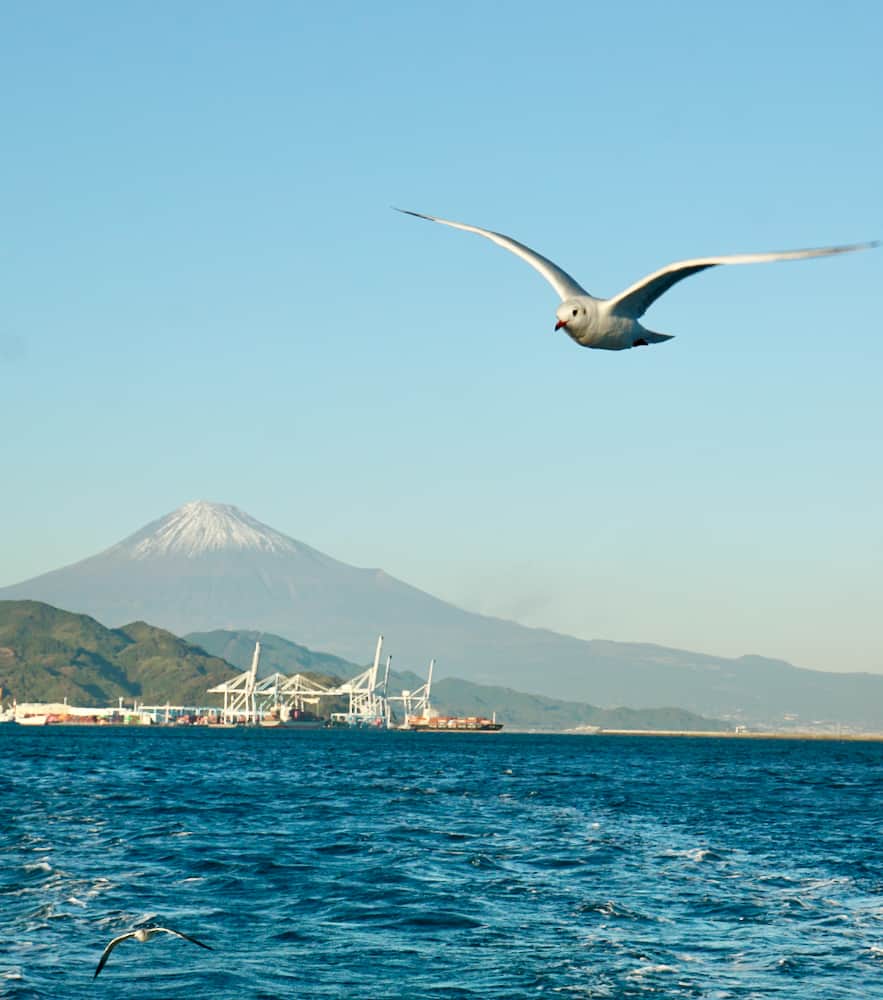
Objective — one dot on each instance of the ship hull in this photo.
(442, 724)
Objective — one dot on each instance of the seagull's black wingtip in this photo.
(417, 215)
(187, 937)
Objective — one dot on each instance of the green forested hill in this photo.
(278, 655)
(47, 654)
(529, 711)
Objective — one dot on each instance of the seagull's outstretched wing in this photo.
(105, 955)
(560, 280)
(186, 937)
(144, 933)
(635, 300)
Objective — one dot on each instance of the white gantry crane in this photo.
(282, 697)
(246, 699)
(239, 693)
(415, 704)
(367, 706)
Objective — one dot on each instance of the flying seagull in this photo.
(143, 934)
(612, 324)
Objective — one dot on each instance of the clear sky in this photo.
(204, 294)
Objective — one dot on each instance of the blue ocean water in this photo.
(329, 864)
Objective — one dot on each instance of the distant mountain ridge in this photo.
(451, 695)
(211, 566)
(278, 655)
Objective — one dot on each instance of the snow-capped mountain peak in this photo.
(199, 527)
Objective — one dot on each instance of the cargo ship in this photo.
(453, 724)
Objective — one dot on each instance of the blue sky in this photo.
(205, 295)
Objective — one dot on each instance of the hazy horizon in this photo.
(710, 652)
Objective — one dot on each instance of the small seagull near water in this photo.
(144, 934)
(612, 324)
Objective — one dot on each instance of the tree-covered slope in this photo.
(47, 654)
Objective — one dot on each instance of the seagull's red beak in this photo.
(560, 323)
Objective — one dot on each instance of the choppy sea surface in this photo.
(329, 864)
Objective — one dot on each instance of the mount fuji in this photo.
(210, 566)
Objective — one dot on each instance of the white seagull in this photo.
(143, 934)
(612, 324)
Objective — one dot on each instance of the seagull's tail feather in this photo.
(656, 338)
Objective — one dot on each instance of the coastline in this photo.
(776, 735)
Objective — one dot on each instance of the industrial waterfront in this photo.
(277, 701)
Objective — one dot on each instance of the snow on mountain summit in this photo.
(200, 527)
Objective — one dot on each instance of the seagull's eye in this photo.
(575, 311)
